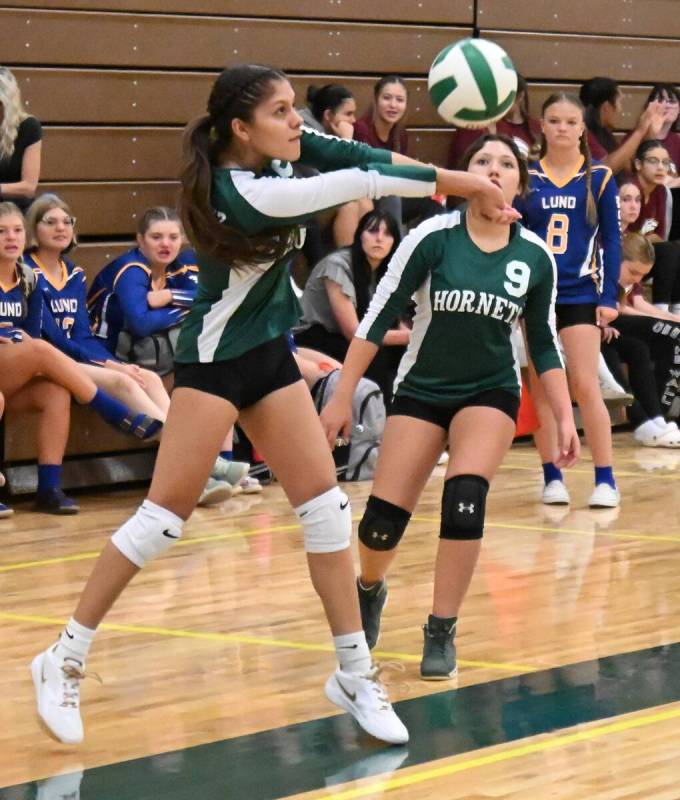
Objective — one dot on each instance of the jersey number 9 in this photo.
(518, 274)
(557, 236)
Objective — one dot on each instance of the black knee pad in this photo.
(382, 525)
(463, 507)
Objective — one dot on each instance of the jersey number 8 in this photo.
(558, 230)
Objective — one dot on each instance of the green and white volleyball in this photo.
(472, 83)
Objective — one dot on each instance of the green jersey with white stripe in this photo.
(236, 310)
(467, 302)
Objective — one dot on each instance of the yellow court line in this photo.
(220, 537)
(554, 743)
(612, 534)
(236, 638)
(575, 471)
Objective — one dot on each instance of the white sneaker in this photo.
(364, 697)
(249, 485)
(229, 471)
(604, 496)
(661, 437)
(555, 494)
(57, 692)
(215, 492)
(60, 787)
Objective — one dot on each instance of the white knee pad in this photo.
(148, 534)
(326, 522)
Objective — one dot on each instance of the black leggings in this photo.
(651, 349)
(666, 273)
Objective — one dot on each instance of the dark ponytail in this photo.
(361, 269)
(235, 94)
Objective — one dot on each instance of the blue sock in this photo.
(551, 473)
(605, 475)
(227, 454)
(49, 476)
(111, 409)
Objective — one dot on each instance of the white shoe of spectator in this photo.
(555, 494)
(215, 492)
(443, 458)
(229, 471)
(249, 485)
(611, 390)
(604, 496)
(649, 434)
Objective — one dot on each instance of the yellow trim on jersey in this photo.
(606, 179)
(42, 269)
(182, 270)
(127, 266)
(555, 181)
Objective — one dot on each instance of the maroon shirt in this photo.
(364, 131)
(672, 144)
(597, 151)
(462, 138)
(656, 208)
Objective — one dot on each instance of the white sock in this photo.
(352, 652)
(661, 306)
(647, 429)
(74, 642)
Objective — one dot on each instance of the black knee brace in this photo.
(463, 507)
(382, 525)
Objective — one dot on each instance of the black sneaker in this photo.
(439, 651)
(371, 603)
(55, 501)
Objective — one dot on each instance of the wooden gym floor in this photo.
(213, 662)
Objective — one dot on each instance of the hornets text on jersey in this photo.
(238, 309)
(65, 322)
(17, 310)
(117, 299)
(588, 256)
(467, 301)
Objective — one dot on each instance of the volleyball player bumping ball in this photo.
(472, 277)
(243, 211)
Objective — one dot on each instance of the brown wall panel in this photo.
(150, 98)
(453, 12)
(112, 209)
(145, 40)
(618, 17)
(564, 56)
(431, 146)
(115, 154)
(93, 256)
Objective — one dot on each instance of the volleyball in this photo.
(472, 83)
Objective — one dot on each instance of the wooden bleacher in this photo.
(115, 81)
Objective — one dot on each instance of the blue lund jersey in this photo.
(65, 322)
(588, 257)
(467, 302)
(117, 299)
(19, 311)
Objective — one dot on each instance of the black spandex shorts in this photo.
(405, 406)
(245, 379)
(568, 314)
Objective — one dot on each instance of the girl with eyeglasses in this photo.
(35, 376)
(652, 167)
(667, 96)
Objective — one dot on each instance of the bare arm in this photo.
(159, 298)
(643, 308)
(346, 316)
(30, 174)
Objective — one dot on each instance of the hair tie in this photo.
(212, 134)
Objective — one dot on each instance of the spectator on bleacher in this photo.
(332, 109)
(517, 124)
(669, 98)
(36, 376)
(652, 165)
(630, 202)
(382, 126)
(50, 235)
(573, 207)
(339, 290)
(601, 98)
(136, 304)
(20, 145)
(647, 341)
(146, 292)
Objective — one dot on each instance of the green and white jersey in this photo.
(237, 310)
(467, 302)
